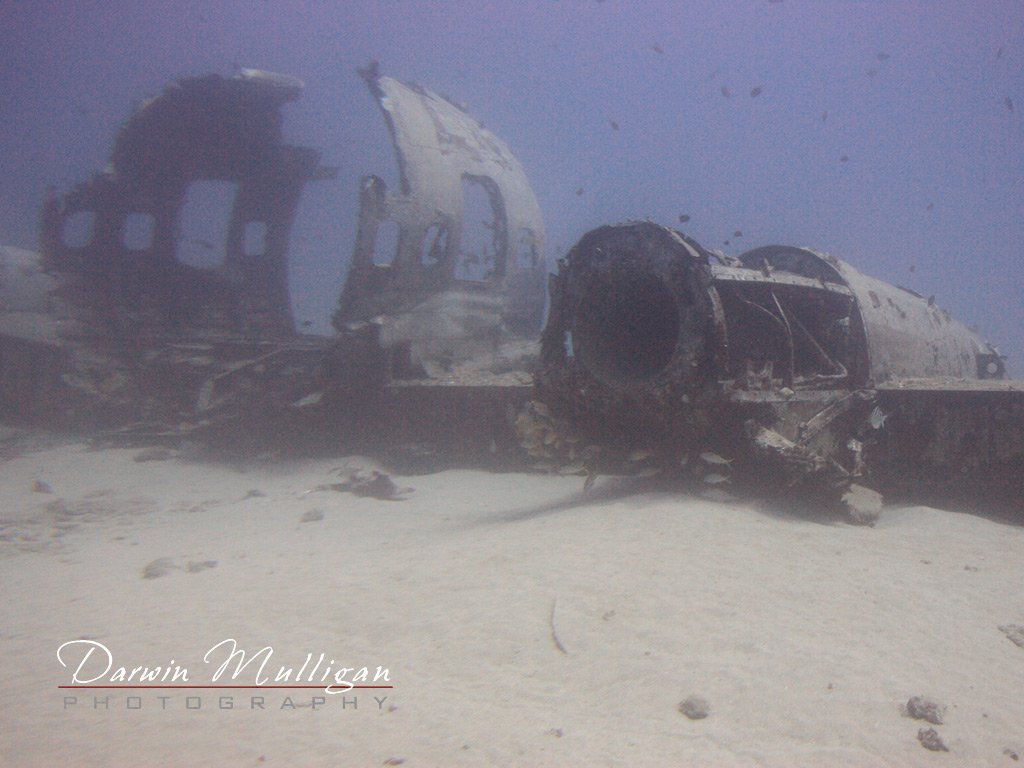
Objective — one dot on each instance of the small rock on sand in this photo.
(159, 567)
(920, 708)
(695, 707)
(1014, 632)
(930, 739)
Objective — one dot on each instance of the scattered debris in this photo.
(153, 454)
(715, 479)
(695, 707)
(921, 708)
(1014, 633)
(554, 634)
(159, 567)
(374, 484)
(931, 740)
(863, 505)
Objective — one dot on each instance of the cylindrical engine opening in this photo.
(626, 328)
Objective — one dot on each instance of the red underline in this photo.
(334, 686)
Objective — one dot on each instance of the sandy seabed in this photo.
(520, 623)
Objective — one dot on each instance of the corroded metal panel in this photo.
(465, 303)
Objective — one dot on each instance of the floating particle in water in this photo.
(657, 48)
(726, 92)
(683, 218)
(755, 91)
(881, 55)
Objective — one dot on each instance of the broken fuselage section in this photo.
(141, 326)
(462, 277)
(787, 360)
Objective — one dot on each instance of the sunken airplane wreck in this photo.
(782, 366)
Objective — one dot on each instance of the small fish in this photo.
(726, 92)
(872, 72)
(683, 218)
(738, 233)
(881, 55)
(615, 126)
(930, 207)
(725, 242)
(576, 468)
(1009, 103)
(579, 192)
(878, 417)
(913, 269)
(824, 116)
(844, 158)
(715, 479)
(649, 472)
(640, 454)
(657, 48)
(589, 482)
(713, 458)
(755, 91)
(999, 53)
